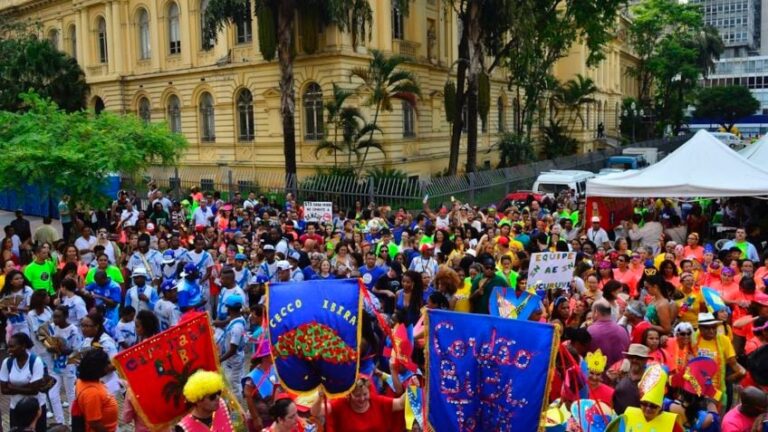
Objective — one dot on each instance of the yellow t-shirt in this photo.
(709, 349)
(462, 296)
(688, 307)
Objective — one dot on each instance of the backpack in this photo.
(48, 380)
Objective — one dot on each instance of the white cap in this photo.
(595, 218)
(268, 247)
(139, 271)
(283, 265)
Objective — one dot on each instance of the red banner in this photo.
(611, 211)
(157, 369)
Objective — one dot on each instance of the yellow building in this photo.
(148, 58)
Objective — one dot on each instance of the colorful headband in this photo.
(650, 271)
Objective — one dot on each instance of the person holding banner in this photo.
(360, 410)
(209, 412)
(231, 342)
(484, 284)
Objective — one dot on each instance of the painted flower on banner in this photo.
(313, 341)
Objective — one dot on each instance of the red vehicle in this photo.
(518, 198)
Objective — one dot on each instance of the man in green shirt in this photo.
(483, 284)
(40, 271)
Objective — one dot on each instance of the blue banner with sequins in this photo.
(487, 374)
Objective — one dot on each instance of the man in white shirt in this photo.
(129, 216)
(597, 234)
(425, 262)
(647, 236)
(203, 214)
(85, 244)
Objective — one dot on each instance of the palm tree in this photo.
(355, 16)
(574, 94)
(356, 133)
(709, 45)
(383, 81)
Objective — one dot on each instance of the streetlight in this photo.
(633, 112)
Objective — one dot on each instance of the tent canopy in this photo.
(757, 152)
(702, 167)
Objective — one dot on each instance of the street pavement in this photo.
(7, 216)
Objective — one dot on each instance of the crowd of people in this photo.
(652, 300)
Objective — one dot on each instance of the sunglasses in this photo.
(213, 397)
(648, 405)
(684, 334)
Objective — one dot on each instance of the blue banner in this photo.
(314, 330)
(487, 374)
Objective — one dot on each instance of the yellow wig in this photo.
(201, 384)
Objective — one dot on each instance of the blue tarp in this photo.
(36, 201)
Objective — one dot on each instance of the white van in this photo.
(555, 181)
(729, 139)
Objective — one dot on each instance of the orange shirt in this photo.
(629, 278)
(697, 253)
(96, 404)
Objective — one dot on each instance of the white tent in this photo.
(757, 152)
(702, 167)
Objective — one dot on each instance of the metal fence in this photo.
(481, 188)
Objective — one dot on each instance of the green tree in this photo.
(556, 141)
(546, 35)
(276, 22)
(726, 104)
(383, 82)
(572, 96)
(29, 63)
(675, 49)
(513, 150)
(75, 152)
(352, 135)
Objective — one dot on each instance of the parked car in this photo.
(555, 181)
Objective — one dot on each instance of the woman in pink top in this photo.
(693, 249)
(625, 275)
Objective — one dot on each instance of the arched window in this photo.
(98, 105)
(145, 111)
(142, 20)
(174, 114)
(502, 114)
(245, 124)
(102, 30)
(313, 112)
(73, 41)
(205, 42)
(174, 35)
(53, 38)
(243, 26)
(409, 120)
(207, 125)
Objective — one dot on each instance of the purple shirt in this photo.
(611, 338)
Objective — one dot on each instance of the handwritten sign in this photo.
(318, 211)
(490, 380)
(314, 329)
(157, 368)
(552, 269)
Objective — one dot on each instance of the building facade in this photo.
(149, 58)
(739, 23)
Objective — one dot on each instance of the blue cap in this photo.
(261, 279)
(168, 285)
(708, 248)
(234, 300)
(169, 257)
(241, 257)
(190, 268)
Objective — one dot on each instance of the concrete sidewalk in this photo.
(6, 217)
